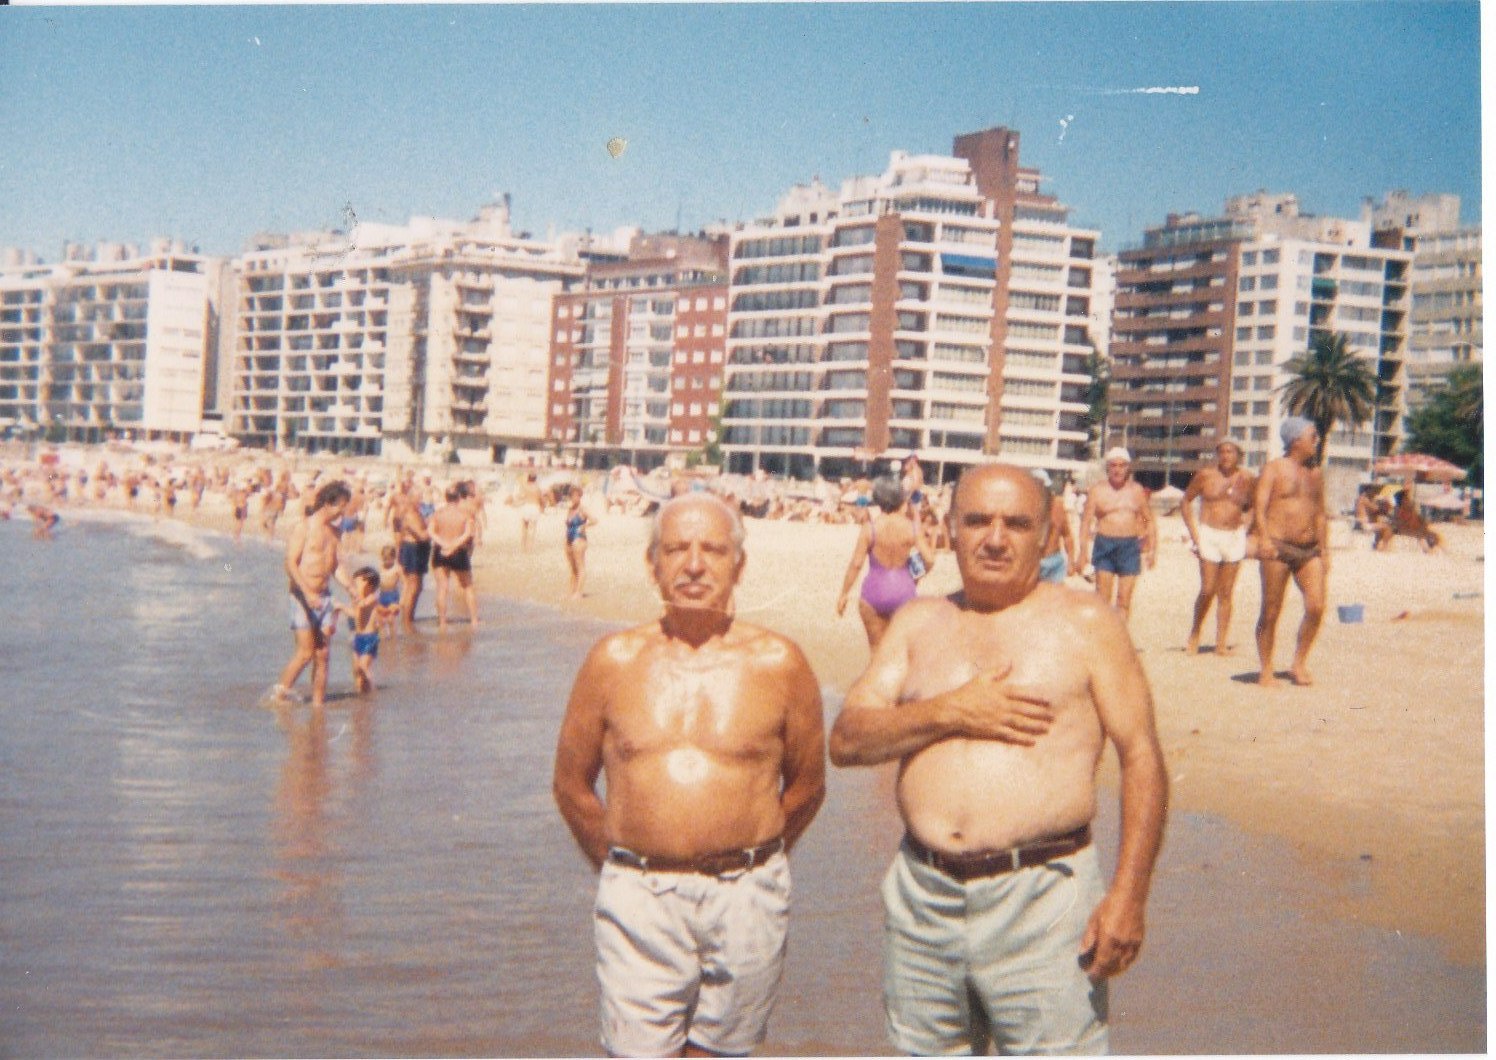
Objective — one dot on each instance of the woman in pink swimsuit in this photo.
(886, 544)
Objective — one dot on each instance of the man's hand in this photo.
(1113, 938)
(988, 707)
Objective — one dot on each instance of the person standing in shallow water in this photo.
(1293, 541)
(312, 565)
(995, 703)
(708, 734)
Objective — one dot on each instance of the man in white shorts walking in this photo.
(1218, 536)
(709, 736)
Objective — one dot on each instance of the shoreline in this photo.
(1375, 775)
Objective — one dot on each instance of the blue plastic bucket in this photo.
(1352, 612)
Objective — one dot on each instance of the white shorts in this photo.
(1223, 546)
(530, 512)
(681, 956)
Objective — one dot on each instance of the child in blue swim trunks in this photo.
(390, 579)
(364, 618)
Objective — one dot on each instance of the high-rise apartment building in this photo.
(1448, 305)
(940, 308)
(397, 337)
(637, 353)
(109, 340)
(1209, 311)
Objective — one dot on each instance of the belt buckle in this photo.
(1015, 859)
(751, 856)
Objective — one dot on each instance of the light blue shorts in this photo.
(993, 959)
(322, 607)
(1053, 567)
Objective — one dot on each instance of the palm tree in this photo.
(1330, 385)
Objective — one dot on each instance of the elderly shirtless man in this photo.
(452, 529)
(995, 703)
(709, 736)
(311, 566)
(1118, 532)
(1292, 530)
(1218, 536)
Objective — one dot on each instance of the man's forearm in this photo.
(584, 816)
(1145, 799)
(871, 736)
(800, 803)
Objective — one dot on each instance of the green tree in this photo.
(1330, 385)
(1451, 424)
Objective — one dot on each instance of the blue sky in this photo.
(213, 123)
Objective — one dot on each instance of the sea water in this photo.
(185, 871)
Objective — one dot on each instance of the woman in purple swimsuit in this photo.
(887, 543)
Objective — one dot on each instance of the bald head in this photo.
(975, 477)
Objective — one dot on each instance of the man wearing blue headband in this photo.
(1292, 529)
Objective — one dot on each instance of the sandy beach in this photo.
(1375, 774)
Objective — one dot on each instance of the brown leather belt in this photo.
(718, 864)
(966, 867)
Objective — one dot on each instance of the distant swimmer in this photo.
(1218, 536)
(452, 528)
(1293, 540)
(708, 735)
(530, 501)
(363, 618)
(999, 929)
(311, 565)
(43, 521)
(577, 522)
(886, 545)
(239, 500)
(1118, 533)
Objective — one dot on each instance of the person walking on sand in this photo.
(577, 522)
(452, 529)
(311, 565)
(239, 500)
(707, 732)
(1292, 541)
(995, 703)
(886, 544)
(1117, 531)
(1218, 536)
(530, 501)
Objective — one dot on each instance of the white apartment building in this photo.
(1210, 312)
(875, 321)
(1448, 312)
(110, 340)
(399, 339)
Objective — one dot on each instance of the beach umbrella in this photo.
(1428, 468)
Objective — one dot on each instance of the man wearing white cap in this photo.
(1117, 532)
(1292, 530)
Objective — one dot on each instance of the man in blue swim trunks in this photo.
(1118, 531)
(999, 928)
(1059, 546)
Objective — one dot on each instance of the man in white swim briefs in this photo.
(1218, 536)
(709, 736)
(999, 930)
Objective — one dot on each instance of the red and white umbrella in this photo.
(1421, 465)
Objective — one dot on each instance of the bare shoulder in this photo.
(1083, 610)
(767, 648)
(617, 651)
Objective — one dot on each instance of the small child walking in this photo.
(364, 618)
(390, 579)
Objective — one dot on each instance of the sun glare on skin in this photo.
(686, 765)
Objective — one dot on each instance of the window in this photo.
(1261, 408)
(1247, 283)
